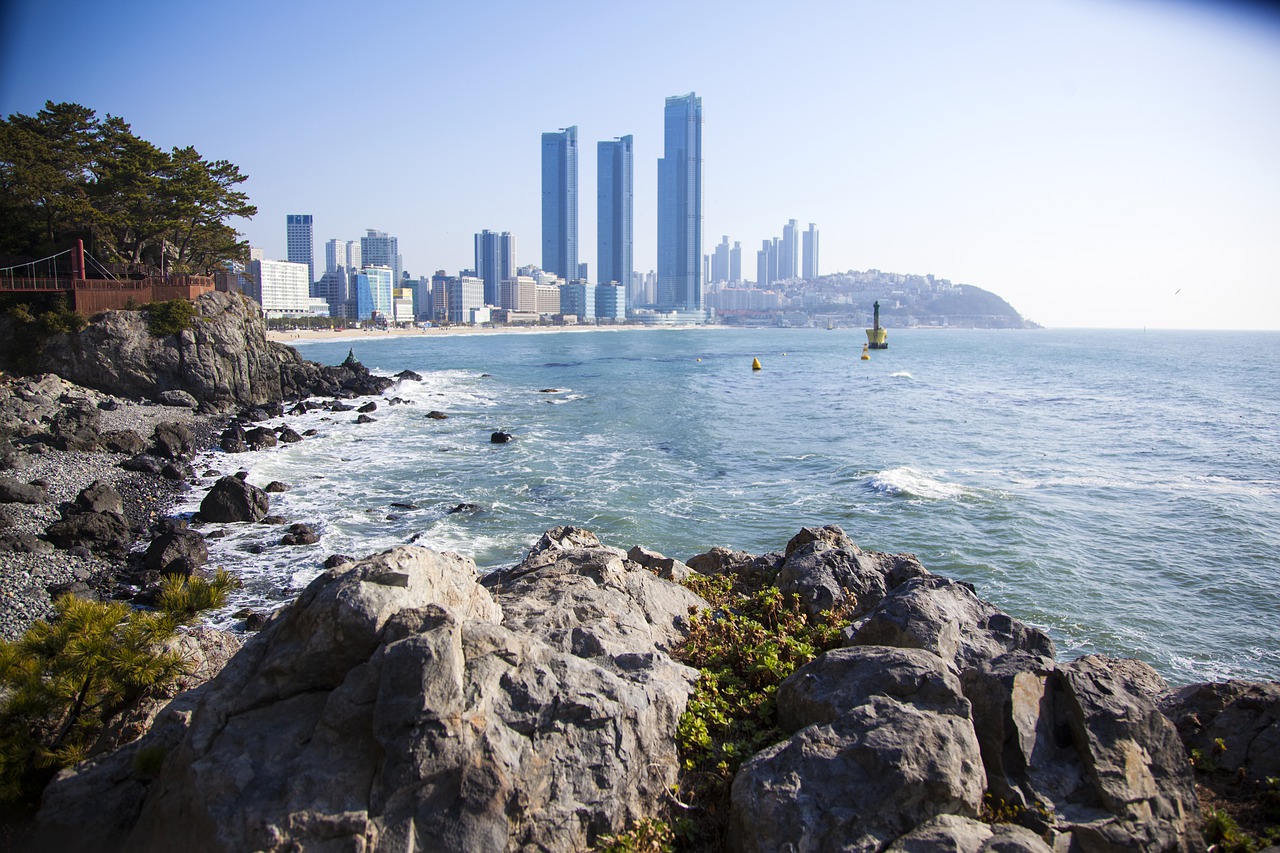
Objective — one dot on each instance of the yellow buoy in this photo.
(866, 356)
(755, 364)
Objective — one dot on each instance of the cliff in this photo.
(223, 361)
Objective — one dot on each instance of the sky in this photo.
(1097, 163)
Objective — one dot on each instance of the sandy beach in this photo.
(298, 335)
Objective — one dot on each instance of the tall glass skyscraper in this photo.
(614, 169)
(810, 256)
(495, 262)
(379, 249)
(560, 203)
(680, 206)
(300, 243)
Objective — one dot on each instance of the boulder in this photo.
(275, 487)
(667, 568)
(75, 427)
(500, 437)
(177, 398)
(437, 415)
(232, 439)
(288, 436)
(105, 534)
(99, 496)
(408, 375)
(368, 408)
(232, 499)
(176, 550)
(828, 571)
(365, 419)
(144, 463)
(15, 542)
(300, 534)
(260, 438)
(954, 834)
(14, 492)
(389, 709)
(1234, 725)
(173, 440)
(122, 441)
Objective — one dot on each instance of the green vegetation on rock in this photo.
(170, 318)
(68, 679)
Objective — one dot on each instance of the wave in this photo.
(901, 374)
(908, 482)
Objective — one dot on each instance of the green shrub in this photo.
(744, 647)
(67, 679)
(170, 318)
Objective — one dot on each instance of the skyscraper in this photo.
(378, 249)
(809, 267)
(735, 262)
(614, 170)
(720, 260)
(789, 251)
(680, 206)
(300, 243)
(495, 262)
(560, 202)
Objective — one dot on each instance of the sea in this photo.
(1120, 489)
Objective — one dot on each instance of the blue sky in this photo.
(1095, 162)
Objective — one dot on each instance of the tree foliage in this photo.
(68, 679)
(66, 174)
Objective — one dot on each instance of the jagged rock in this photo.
(232, 499)
(947, 618)
(143, 462)
(409, 375)
(755, 570)
(106, 534)
(260, 438)
(232, 439)
(464, 508)
(275, 487)
(176, 471)
(365, 419)
(827, 570)
(437, 415)
(368, 407)
(122, 441)
(76, 427)
(1244, 716)
(300, 534)
(403, 505)
(177, 550)
(500, 437)
(289, 436)
(12, 541)
(954, 834)
(173, 440)
(667, 568)
(14, 492)
(99, 496)
(335, 406)
(335, 560)
(177, 398)
(297, 410)
(419, 721)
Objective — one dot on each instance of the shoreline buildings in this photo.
(300, 243)
(680, 207)
(614, 206)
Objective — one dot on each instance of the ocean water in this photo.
(1119, 488)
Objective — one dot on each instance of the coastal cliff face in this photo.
(224, 361)
(402, 702)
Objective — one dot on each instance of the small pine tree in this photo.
(67, 679)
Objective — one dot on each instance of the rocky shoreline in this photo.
(405, 702)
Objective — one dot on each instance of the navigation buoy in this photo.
(866, 356)
(755, 364)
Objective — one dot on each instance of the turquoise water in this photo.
(1121, 489)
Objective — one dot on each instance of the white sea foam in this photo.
(901, 374)
(906, 482)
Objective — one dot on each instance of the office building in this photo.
(579, 299)
(560, 202)
(680, 206)
(611, 302)
(584, 271)
(280, 287)
(614, 210)
(372, 293)
(300, 243)
(495, 262)
(519, 294)
(378, 249)
(809, 266)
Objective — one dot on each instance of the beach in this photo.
(303, 335)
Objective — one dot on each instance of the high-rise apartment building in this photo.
(378, 249)
(495, 262)
(614, 205)
(720, 260)
(680, 206)
(789, 251)
(735, 262)
(280, 287)
(809, 266)
(560, 202)
(300, 243)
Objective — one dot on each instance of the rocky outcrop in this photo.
(1234, 726)
(395, 706)
(223, 362)
(232, 499)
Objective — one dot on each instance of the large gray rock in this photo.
(174, 440)
(75, 427)
(232, 499)
(827, 570)
(955, 834)
(388, 709)
(1234, 724)
(177, 550)
(13, 491)
(106, 534)
(99, 496)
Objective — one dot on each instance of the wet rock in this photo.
(335, 560)
(464, 508)
(368, 407)
(176, 471)
(500, 437)
(437, 415)
(177, 550)
(260, 438)
(408, 375)
(288, 436)
(365, 419)
(275, 487)
(232, 439)
(300, 534)
(232, 499)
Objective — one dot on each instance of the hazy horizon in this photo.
(1097, 163)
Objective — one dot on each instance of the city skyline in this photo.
(1112, 163)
